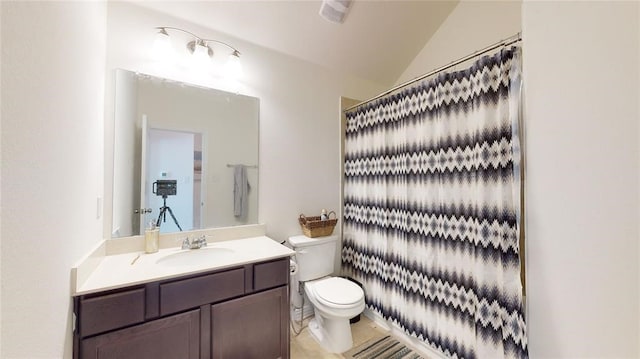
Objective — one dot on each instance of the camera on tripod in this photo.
(165, 188)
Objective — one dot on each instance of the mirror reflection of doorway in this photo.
(174, 155)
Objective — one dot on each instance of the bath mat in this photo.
(384, 347)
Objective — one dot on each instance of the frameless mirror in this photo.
(185, 157)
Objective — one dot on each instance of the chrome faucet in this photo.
(195, 243)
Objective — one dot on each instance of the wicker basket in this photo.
(315, 227)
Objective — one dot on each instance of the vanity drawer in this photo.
(111, 311)
(194, 292)
(271, 274)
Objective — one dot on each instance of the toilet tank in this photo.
(314, 256)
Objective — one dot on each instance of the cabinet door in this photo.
(255, 326)
(177, 336)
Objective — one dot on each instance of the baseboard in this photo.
(421, 347)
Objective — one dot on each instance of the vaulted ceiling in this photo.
(377, 41)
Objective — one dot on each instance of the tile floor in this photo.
(303, 346)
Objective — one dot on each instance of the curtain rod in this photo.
(506, 42)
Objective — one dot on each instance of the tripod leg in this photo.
(162, 215)
(159, 217)
(163, 211)
(174, 218)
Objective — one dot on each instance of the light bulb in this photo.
(200, 57)
(233, 67)
(162, 49)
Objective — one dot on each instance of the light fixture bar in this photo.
(235, 51)
(163, 30)
(201, 52)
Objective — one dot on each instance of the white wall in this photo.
(471, 26)
(299, 118)
(53, 58)
(581, 79)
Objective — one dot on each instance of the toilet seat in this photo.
(337, 292)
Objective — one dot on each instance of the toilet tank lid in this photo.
(304, 241)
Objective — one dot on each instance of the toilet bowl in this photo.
(335, 300)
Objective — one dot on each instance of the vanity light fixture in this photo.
(200, 49)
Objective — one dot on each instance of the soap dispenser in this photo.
(151, 238)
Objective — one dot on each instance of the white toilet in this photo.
(335, 300)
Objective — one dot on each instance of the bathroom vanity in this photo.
(233, 306)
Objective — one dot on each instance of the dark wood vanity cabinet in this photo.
(254, 326)
(239, 312)
(176, 336)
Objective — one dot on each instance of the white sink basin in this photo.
(195, 257)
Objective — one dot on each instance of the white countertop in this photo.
(117, 271)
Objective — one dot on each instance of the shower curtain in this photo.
(432, 208)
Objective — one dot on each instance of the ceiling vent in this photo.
(335, 10)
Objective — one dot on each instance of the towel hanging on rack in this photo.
(240, 191)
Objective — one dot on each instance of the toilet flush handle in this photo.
(302, 251)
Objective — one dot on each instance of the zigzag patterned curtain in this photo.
(432, 208)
